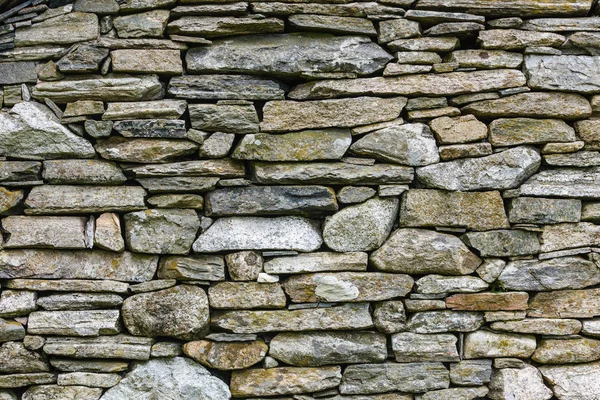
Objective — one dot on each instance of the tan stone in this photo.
(226, 356)
(488, 301)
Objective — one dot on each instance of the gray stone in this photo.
(577, 159)
(339, 173)
(394, 29)
(225, 87)
(355, 194)
(214, 27)
(162, 62)
(482, 344)
(488, 301)
(453, 152)
(389, 316)
(65, 199)
(138, 5)
(27, 379)
(458, 130)
(33, 131)
(405, 377)
(107, 233)
(484, 59)
(409, 144)
(169, 379)
(244, 265)
(553, 274)
(79, 301)
(69, 285)
(436, 284)
(414, 347)
(521, 8)
(17, 72)
(564, 236)
(315, 349)
(155, 128)
(456, 394)
(226, 356)
(82, 59)
(14, 303)
(100, 366)
(332, 24)
(439, 44)
(280, 116)
(514, 39)
(241, 233)
(534, 105)
(531, 210)
(573, 382)
(89, 379)
(471, 372)
(144, 150)
(166, 349)
(270, 54)
(271, 200)
(233, 118)
(163, 109)
(217, 145)
(510, 168)
(563, 73)
(86, 172)
(445, 321)
(361, 227)
(19, 172)
(56, 392)
(516, 131)
(183, 184)
(65, 29)
(152, 286)
(9, 200)
(431, 17)
(565, 304)
(519, 383)
(98, 7)
(344, 317)
(317, 262)
(11, 330)
(115, 346)
(345, 10)
(98, 129)
(454, 28)
(222, 168)
(418, 57)
(198, 267)
(45, 232)
(193, 201)
(326, 144)
(540, 326)
(147, 24)
(246, 295)
(74, 323)
(180, 312)
(113, 87)
(17, 359)
(503, 243)
(347, 287)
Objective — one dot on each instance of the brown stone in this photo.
(226, 356)
(488, 301)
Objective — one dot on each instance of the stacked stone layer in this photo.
(387, 200)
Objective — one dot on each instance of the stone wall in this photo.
(207, 199)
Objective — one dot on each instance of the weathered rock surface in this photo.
(212, 27)
(225, 117)
(245, 295)
(516, 131)
(438, 284)
(566, 351)
(74, 323)
(482, 344)
(563, 73)
(107, 234)
(164, 109)
(45, 232)
(53, 392)
(199, 267)
(445, 321)
(144, 150)
(225, 87)
(503, 243)
(17, 359)
(14, 303)
(531, 210)
(540, 326)
(514, 39)
(79, 301)
(573, 382)
(317, 262)
(114, 346)
(461, 129)
(565, 236)
(162, 62)
(66, 29)
(147, 24)
(161, 128)
(565, 304)
(87, 172)
(521, 8)
(414, 347)
(523, 383)
(488, 301)
(563, 182)
(226, 356)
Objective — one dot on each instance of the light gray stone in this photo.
(515, 39)
(162, 62)
(521, 8)
(17, 359)
(436, 284)
(471, 372)
(89, 379)
(525, 383)
(198, 267)
(573, 382)
(246, 295)
(482, 344)
(225, 168)
(226, 356)
(565, 236)
(216, 27)
(394, 29)
(565, 304)
(86, 172)
(45, 232)
(225, 87)
(531, 210)
(113, 346)
(17, 72)
(79, 301)
(540, 326)
(74, 323)
(355, 194)
(445, 321)
(26, 379)
(563, 73)
(564, 182)
(244, 265)
(14, 303)
(147, 24)
(566, 351)
(233, 118)
(144, 150)
(68, 285)
(65, 29)
(516, 131)
(484, 59)
(414, 347)
(56, 392)
(100, 366)
(503, 243)
(317, 262)
(11, 331)
(389, 316)
(162, 109)
(333, 24)
(461, 129)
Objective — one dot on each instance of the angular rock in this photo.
(233, 118)
(409, 144)
(82, 59)
(540, 326)
(564, 182)
(14, 303)
(17, 72)
(389, 316)
(270, 54)
(225, 87)
(531, 210)
(65, 29)
(114, 346)
(438, 44)
(246, 295)
(74, 323)
(350, 9)
(414, 347)
(456, 393)
(346, 287)
(482, 344)
(9, 199)
(226, 356)
(162, 62)
(107, 234)
(510, 168)
(345, 317)
(100, 366)
(488, 301)
(184, 184)
(169, 379)
(405, 377)
(198, 267)
(534, 105)
(11, 331)
(98, 7)
(471, 372)
(193, 201)
(521, 8)
(565, 304)
(17, 359)
(567, 351)
(79, 301)
(552, 274)
(147, 24)
(445, 321)
(213, 27)
(518, 383)
(244, 265)
(355, 194)
(271, 200)
(19, 172)
(161, 128)
(394, 29)
(458, 130)
(573, 382)
(565, 236)
(516, 131)
(336, 173)
(317, 262)
(283, 380)
(45, 232)
(86, 172)
(430, 208)
(503, 243)
(241, 233)
(578, 159)
(438, 284)
(572, 73)
(326, 144)
(144, 150)
(280, 116)
(163, 109)
(361, 227)
(333, 24)
(55, 392)
(31, 130)
(587, 130)
(222, 168)
(65, 199)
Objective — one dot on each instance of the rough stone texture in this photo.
(226, 355)
(414, 347)
(516, 131)
(503, 243)
(571, 382)
(458, 130)
(317, 262)
(482, 344)
(524, 383)
(227, 87)
(563, 73)
(245, 295)
(531, 210)
(74, 323)
(66, 29)
(45, 232)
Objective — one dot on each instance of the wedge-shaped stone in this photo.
(154, 128)
(225, 87)
(315, 349)
(271, 200)
(281, 116)
(92, 264)
(317, 262)
(347, 287)
(578, 159)
(389, 377)
(565, 236)
(540, 326)
(82, 172)
(573, 382)
(144, 150)
(521, 8)
(279, 55)
(567, 351)
(524, 382)
(74, 323)
(566, 304)
(445, 321)
(45, 232)
(488, 301)
(162, 62)
(414, 347)
(65, 29)
(461, 129)
(62, 392)
(516, 131)
(180, 312)
(212, 27)
(333, 24)
(499, 171)
(563, 73)
(9, 199)
(65, 199)
(198, 267)
(448, 84)
(486, 344)
(564, 182)
(345, 317)
(69, 285)
(164, 109)
(225, 117)
(31, 130)
(535, 105)
(11, 331)
(167, 231)
(430, 208)
(503, 243)
(420, 251)
(330, 173)
(408, 144)
(79, 301)
(245, 295)
(226, 356)
(552, 274)
(485, 59)
(562, 24)
(116, 346)
(107, 232)
(326, 144)
(257, 233)
(515, 39)
(148, 24)
(17, 359)
(183, 184)
(429, 44)
(113, 87)
(82, 59)
(284, 380)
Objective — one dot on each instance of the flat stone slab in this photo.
(521, 8)
(563, 73)
(317, 262)
(45, 232)
(64, 29)
(115, 346)
(74, 323)
(225, 87)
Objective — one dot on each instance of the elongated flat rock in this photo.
(515, 131)
(521, 8)
(79, 301)
(331, 173)
(563, 73)
(116, 346)
(153, 128)
(65, 29)
(198, 267)
(224, 168)
(144, 150)
(415, 347)
(164, 109)
(226, 356)
(225, 87)
(212, 27)
(242, 233)
(503, 243)
(345, 317)
(246, 295)
(17, 359)
(280, 55)
(565, 304)
(19, 171)
(74, 323)
(565, 236)
(317, 262)
(82, 172)
(69, 285)
(66, 199)
(114, 87)
(488, 301)
(92, 264)
(449, 84)
(564, 182)
(516, 39)
(45, 232)
(484, 344)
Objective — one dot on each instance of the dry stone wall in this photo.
(311, 199)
